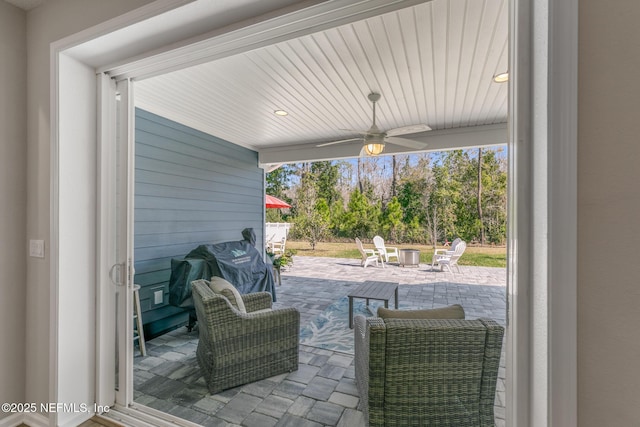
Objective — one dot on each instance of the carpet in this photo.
(330, 329)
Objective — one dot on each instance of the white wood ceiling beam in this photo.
(437, 140)
(253, 34)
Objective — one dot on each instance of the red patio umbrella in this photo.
(274, 202)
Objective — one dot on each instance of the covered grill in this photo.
(238, 262)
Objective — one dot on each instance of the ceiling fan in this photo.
(375, 139)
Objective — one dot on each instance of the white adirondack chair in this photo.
(385, 252)
(277, 236)
(451, 260)
(276, 247)
(368, 255)
(445, 251)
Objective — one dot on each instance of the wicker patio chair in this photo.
(237, 348)
(427, 372)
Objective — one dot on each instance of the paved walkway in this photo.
(322, 392)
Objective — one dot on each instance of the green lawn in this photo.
(483, 256)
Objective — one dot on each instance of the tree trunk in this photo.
(360, 175)
(480, 218)
(432, 226)
(394, 177)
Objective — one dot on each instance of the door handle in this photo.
(115, 274)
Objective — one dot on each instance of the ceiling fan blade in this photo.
(408, 129)
(409, 143)
(338, 142)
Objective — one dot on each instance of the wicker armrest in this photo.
(369, 363)
(280, 322)
(495, 336)
(270, 318)
(361, 355)
(361, 344)
(257, 301)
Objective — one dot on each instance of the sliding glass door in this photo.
(115, 245)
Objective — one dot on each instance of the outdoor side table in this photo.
(381, 291)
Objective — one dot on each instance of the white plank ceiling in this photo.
(433, 64)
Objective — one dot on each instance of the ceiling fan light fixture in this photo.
(374, 148)
(374, 139)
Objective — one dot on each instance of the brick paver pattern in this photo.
(322, 392)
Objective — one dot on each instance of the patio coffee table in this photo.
(381, 291)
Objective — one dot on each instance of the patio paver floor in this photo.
(322, 392)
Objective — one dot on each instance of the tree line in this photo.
(424, 198)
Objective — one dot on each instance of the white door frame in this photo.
(541, 373)
(542, 265)
(125, 232)
(106, 250)
(116, 151)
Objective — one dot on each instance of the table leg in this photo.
(350, 312)
(396, 297)
(276, 275)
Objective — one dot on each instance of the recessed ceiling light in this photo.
(501, 78)
(280, 113)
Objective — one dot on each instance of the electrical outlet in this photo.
(158, 297)
(36, 248)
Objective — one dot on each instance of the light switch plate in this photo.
(36, 248)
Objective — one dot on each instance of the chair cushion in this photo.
(454, 311)
(227, 290)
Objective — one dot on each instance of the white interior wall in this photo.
(46, 24)
(75, 253)
(608, 214)
(13, 164)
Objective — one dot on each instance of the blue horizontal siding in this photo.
(190, 189)
(227, 174)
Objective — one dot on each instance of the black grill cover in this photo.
(237, 262)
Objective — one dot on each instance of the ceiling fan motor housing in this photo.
(374, 138)
(374, 97)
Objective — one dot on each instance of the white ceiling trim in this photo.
(87, 37)
(231, 41)
(438, 140)
(26, 4)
